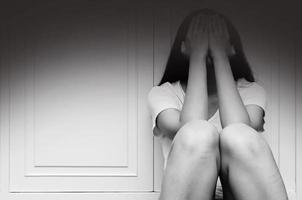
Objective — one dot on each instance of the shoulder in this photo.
(252, 92)
(160, 98)
(161, 90)
(161, 95)
(246, 86)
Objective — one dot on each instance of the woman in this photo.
(208, 112)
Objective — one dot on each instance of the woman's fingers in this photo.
(200, 23)
(225, 28)
(203, 26)
(206, 24)
(212, 27)
(220, 22)
(192, 27)
(212, 24)
(190, 30)
(218, 26)
(196, 25)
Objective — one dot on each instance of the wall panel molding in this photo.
(35, 166)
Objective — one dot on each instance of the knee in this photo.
(239, 139)
(197, 136)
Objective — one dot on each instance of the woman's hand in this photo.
(197, 37)
(219, 43)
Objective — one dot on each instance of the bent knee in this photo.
(241, 139)
(197, 135)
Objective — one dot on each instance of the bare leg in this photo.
(248, 167)
(193, 163)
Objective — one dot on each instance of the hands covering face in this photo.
(208, 32)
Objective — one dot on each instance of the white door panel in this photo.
(78, 119)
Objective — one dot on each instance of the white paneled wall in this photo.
(298, 144)
(74, 118)
(74, 78)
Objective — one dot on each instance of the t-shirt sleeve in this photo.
(254, 93)
(159, 99)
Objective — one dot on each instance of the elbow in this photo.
(258, 126)
(257, 123)
(168, 128)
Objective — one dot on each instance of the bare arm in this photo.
(195, 102)
(231, 107)
(196, 98)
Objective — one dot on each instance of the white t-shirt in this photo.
(171, 95)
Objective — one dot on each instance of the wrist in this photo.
(197, 56)
(219, 56)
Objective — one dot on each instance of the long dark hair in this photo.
(177, 67)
